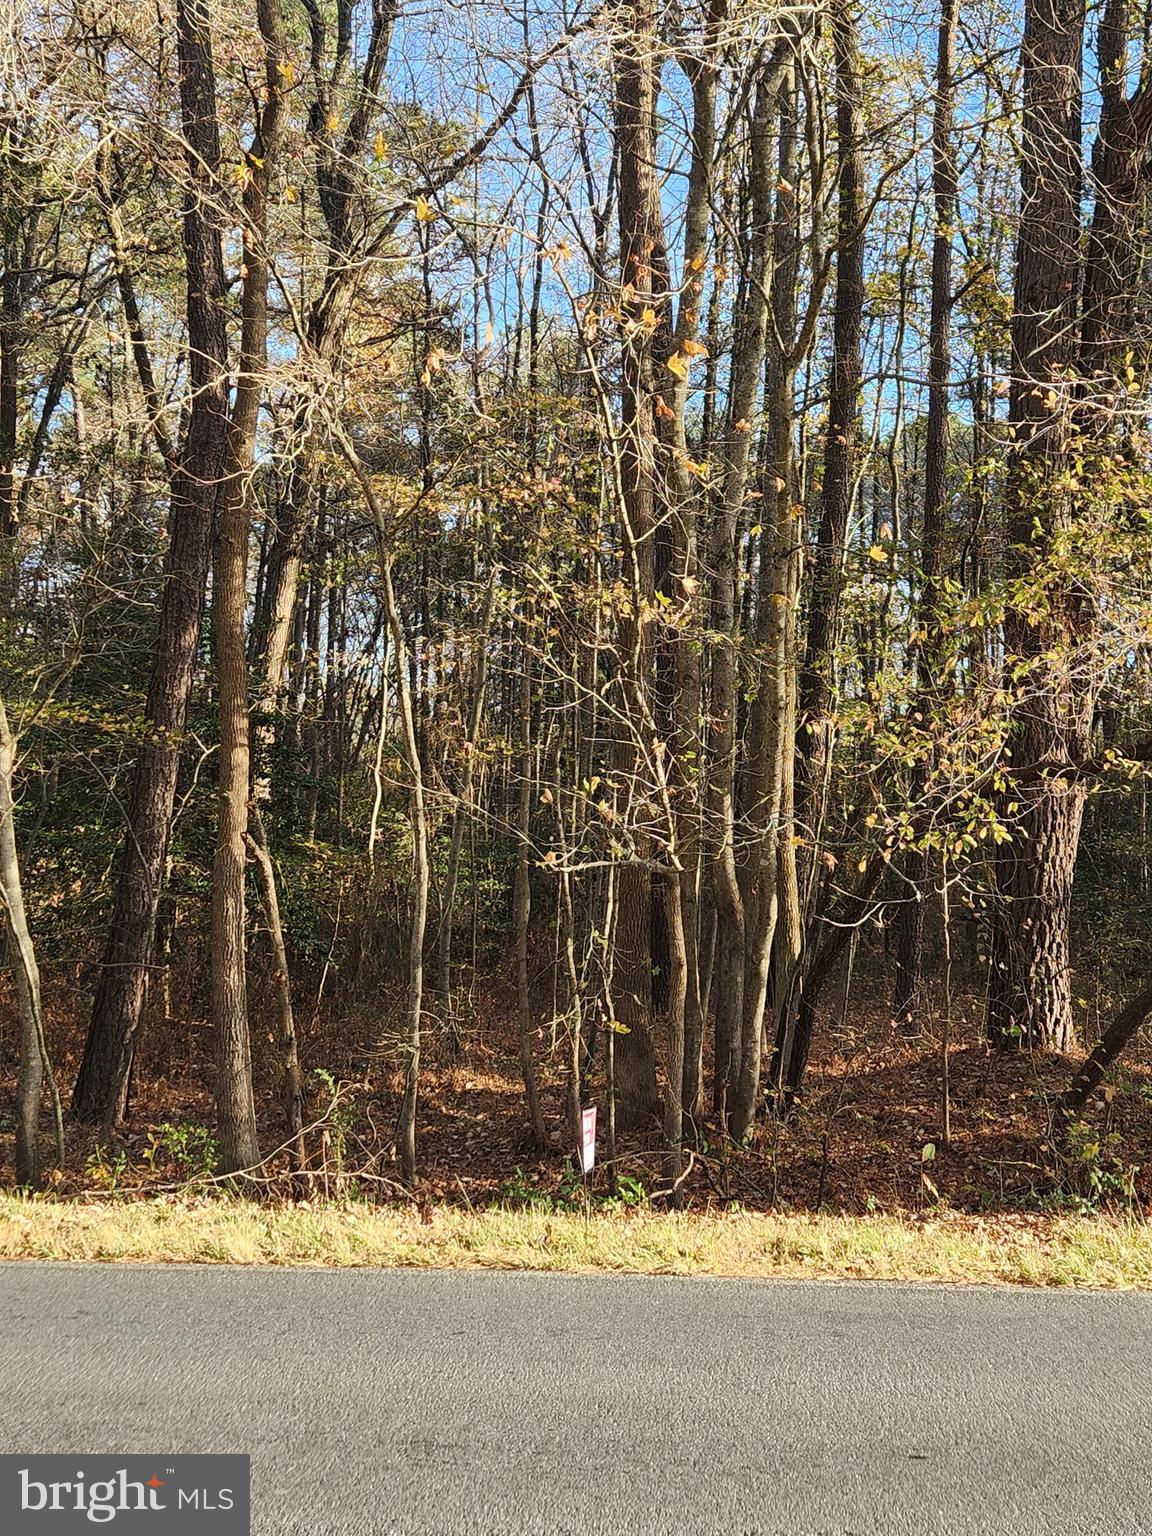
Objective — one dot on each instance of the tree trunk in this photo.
(522, 909)
(118, 1007)
(462, 811)
(30, 1079)
(762, 782)
(291, 1079)
(781, 491)
(909, 936)
(728, 854)
(1111, 1044)
(1030, 1002)
(641, 249)
(418, 820)
(841, 444)
(235, 1106)
(683, 577)
(406, 1125)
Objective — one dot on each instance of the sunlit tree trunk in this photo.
(26, 974)
(1030, 1001)
(235, 1106)
(909, 935)
(638, 209)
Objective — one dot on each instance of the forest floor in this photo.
(859, 1180)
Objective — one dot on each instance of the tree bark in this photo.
(817, 684)
(762, 782)
(909, 936)
(461, 812)
(641, 253)
(522, 909)
(291, 1078)
(1030, 1002)
(118, 1007)
(683, 577)
(235, 1105)
(1111, 1044)
(30, 1077)
(728, 852)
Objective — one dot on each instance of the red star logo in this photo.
(154, 1482)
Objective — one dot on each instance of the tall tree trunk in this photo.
(683, 577)
(909, 936)
(762, 781)
(418, 819)
(235, 1105)
(641, 251)
(727, 853)
(817, 699)
(1030, 1002)
(522, 906)
(30, 1078)
(421, 879)
(13, 287)
(462, 812)
(118, 1007)
(781, 493)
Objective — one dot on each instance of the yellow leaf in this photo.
(380, 146)
(424, 213)
(678, 366)
(693, 349)
(876, 553)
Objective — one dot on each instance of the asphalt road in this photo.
(429, 1404)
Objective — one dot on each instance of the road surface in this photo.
(429, 1404)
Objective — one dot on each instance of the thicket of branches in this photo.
(633, 500)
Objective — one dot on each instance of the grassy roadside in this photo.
(1035, 1251)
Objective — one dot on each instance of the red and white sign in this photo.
(588, 1139)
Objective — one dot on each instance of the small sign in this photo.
(588, 1139)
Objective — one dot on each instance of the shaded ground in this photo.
(868, 1135)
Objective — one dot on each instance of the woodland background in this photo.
(560, 555)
